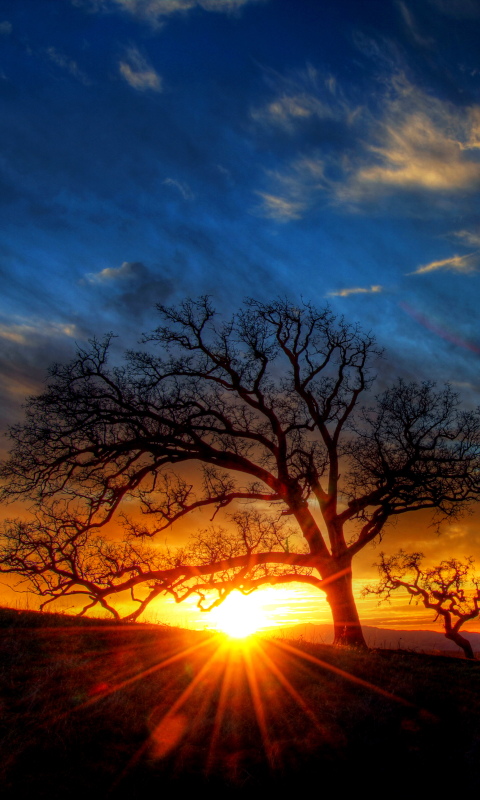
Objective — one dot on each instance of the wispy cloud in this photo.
(465, 264)
(422, 143)
(300, 96)
(461, 9)
(5, 28)
(128, 271)
(357, 290)
(139, 73)
(279, 208)
(420, 155)
(470, 237)
(155, 12)
(292, 190)
(411, 141)
(67, 64)
(27, 333)
(183, 188)
(412, 27)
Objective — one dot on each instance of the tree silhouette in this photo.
(451, 589)
(263, 411)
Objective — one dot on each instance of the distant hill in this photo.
(382, 638)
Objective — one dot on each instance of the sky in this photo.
(156, 149)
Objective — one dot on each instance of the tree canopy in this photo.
(451, 589)
(265, 408)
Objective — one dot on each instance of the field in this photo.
(130, 710)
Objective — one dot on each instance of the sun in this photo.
(240, 615)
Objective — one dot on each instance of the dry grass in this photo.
(87, 708)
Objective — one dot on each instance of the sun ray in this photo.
(289, 688)
(196, 680)
(347, 675)
(257, 702)
(138, 676)
(220, 712)
(218, 668)
(172, 711)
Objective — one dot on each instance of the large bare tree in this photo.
(264, 408)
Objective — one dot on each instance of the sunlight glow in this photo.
(240, 615)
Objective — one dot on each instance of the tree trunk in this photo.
(346, 622)
(461, 642)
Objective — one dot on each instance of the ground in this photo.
(122, 710)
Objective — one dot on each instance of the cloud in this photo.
(358, 290)
(417, 154)
(408, 142)
(138, 73)
(155, 12)
(67, 64)
(293, 189)
(5, 28)
(461, 9)
(300, 96)
(469, 236)
(422, 143)
(279, 208)
(412, 26)
(130, 270)
(183, 188)
(465, 264)
(28, 333)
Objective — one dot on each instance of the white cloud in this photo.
(358, 290)
(183, 188)
(66, 63)
(465, 264)
(138, 73)
(128, 270)
(5, 28)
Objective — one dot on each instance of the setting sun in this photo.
(240, 615)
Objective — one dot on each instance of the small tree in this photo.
(264, 408)
(451, 589)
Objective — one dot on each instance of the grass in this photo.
(91, 706)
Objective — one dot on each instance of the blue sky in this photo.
(153, 149)
(157, 148)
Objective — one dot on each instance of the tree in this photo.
(265, 408)
(451, 589)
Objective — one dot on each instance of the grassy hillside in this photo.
(133, 709)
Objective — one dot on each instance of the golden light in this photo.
(240, 615)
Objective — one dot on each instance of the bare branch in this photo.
(451, 589)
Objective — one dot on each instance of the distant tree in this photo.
(263, 411)
(451, 589)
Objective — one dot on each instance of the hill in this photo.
(380, 638)
(133, 710)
